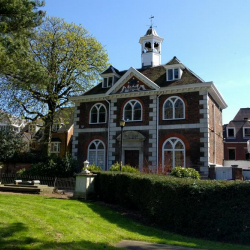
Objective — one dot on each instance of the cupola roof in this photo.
(151, 32)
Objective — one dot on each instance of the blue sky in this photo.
(211, 37)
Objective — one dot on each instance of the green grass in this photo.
(38, 222)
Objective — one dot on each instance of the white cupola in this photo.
(150, 48)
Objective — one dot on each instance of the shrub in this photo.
(126, 168)
(54, 166)
(94, 168)
(185, 173)
(217, 210)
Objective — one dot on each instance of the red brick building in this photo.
(173, 117)
(236, 134)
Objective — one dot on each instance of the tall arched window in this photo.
(96, 153)
(132, 111)
(98, 113)
(173, 108)
(173, 153)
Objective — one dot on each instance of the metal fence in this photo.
(58, 183)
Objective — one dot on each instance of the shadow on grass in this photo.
(11, 237)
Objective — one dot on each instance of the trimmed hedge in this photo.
(216, 210)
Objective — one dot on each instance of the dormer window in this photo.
(231, 133)
(107, 82)
(246, 132)
(173, 74)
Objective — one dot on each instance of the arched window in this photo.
(132, 111)
(96, 153)
(98, 114)
(173, 153)
(173, 108)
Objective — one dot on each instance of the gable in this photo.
(133, 81)
(133, 85)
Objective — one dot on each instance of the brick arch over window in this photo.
(181, 138)
(173, 108)
(132, 110)
(98, 114)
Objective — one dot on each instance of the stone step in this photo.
(20, 185)
(19, 189)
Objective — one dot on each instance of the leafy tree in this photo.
(11, 143)
(65, 62)
(18, 18)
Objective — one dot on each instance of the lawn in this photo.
(39, 222)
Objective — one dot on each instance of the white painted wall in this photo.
(241, 164)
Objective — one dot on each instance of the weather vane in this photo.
(152, 21)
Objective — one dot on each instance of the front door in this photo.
(132, 158)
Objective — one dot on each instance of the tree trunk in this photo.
(47, 134)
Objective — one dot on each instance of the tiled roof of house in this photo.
(111, 69)
(243, 113)
(156, 74)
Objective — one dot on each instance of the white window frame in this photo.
(107, 77)
(173, 79)
(230, 137)
(174, 150)
(130, 103)
(58, 146)
(97, 142)
(244, 134)
(98, 114)
(173, 108)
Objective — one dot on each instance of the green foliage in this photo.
(54, 166)
(63, 60)
(21, 171)
(218, 210)
(11, 144)
(126, 168)
(18, 19)
(185, 173)
(94, 168)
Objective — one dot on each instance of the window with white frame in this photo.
(107, 82)
(132, 111)
(173, 153)
(173, 108)
(230, 132)
(98, 114)
(55, 147)
(96, 153)
(173, 74)
(246, 132)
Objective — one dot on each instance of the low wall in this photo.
(241, 164)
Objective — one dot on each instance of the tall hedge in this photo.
(218, 210)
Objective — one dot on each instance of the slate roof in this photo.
(242, 114)
(156, 74)
(111, 69)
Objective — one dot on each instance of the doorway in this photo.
(132, 158)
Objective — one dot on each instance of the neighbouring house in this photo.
(62, 132)
(173, 117)
(236, 134)
(11, 122)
